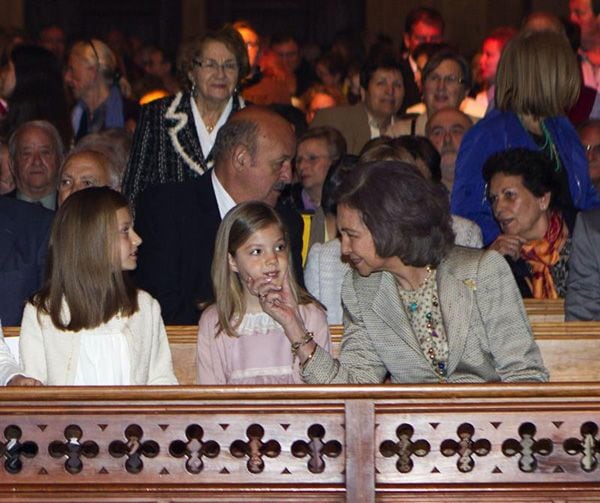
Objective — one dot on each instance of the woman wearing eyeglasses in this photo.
(175, 135)
(318, 150)
(538, 78)
(93, 78)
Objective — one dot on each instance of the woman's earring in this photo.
(193, 90)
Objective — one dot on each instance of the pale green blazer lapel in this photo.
(456, 296)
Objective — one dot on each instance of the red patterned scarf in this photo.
(542, 254)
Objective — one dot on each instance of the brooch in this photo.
(470, 283)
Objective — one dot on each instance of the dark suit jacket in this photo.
(178, 224)
(24, 229)
(412, 95)
(166, 147)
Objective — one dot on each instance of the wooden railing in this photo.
(328, 444)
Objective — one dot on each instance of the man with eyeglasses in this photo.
(446, 82)
(589, 134)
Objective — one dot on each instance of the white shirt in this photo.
(207, 140)
(103, 358)
(224, 200)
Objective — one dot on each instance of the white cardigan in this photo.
(51, 355)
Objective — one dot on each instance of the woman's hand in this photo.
(510, 245)
(277, 301)
(20, 380)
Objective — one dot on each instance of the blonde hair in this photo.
(237, 227)
(537, 75)
(83, 267)
(96, 53)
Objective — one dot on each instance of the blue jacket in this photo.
(500, 131)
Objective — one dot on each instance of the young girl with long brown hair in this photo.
(89, 325)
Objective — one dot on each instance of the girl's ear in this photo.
(232, 263)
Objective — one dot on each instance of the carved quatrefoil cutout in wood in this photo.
(134, 448)
(316, 448)
(528, 447)
(405, 448)
(194, 449)
(255, 448)
(73, 449)
(465, 447)
(13, 449)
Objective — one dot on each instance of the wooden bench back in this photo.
(571, 350)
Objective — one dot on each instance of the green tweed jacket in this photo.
(489, 336)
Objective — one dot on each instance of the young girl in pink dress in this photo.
(238, 342)
(89, 325)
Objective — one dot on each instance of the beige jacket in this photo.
(488, 331)
(51, 355)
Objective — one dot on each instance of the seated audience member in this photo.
(585, 14)
(325, 267)
(583, 286)
(446, 82)
(537, 80)
(488, 65)
(416, 308)
(422, 54)
(7, 181)
(115, 143)
(178, 221)
(24, 232)
(238, 343)
(11, 373)
(422, 25)
(382, 92)
(32, 82)
(535, 227)
(88, 324)
(318, 150)
(53, 38)
(86, 167)
(445, 129)
(175, 136)
(35, 154)
(157, 65)
(90, 75)
(260, 87)
(319, 97)
(287, 51)
(589, 134)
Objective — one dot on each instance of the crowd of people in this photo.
(265, 193)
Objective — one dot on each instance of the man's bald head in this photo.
(253, 154)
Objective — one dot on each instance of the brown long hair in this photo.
(84, 268)
(235, 229)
